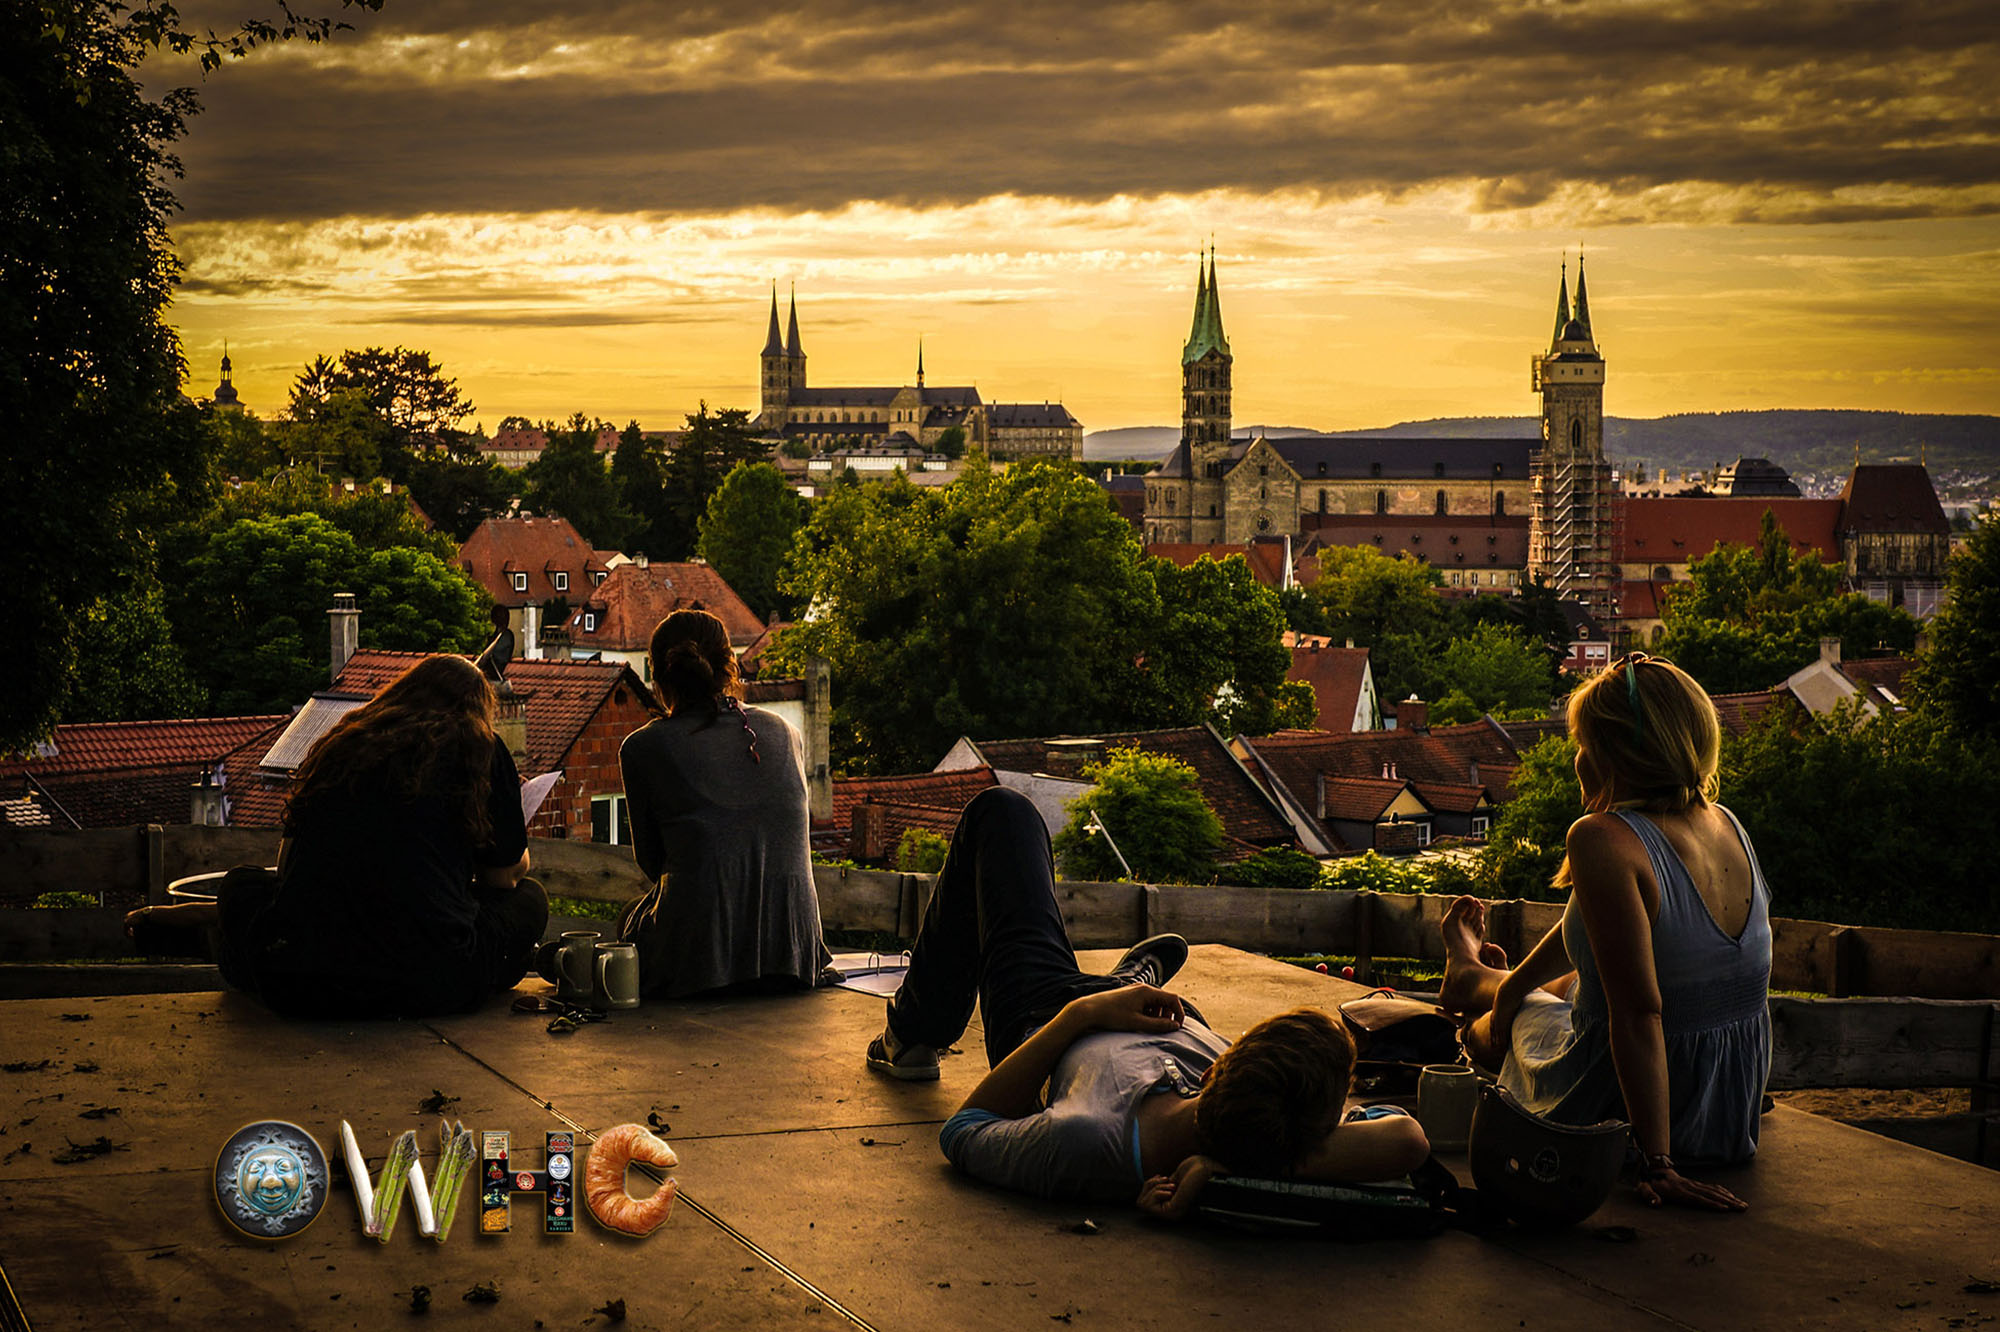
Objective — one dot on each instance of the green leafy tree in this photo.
(1001, 605)
(1153, 805)
(1386, 604)
(1524, 847)
(951, 442)
(921, 851)
(748, 530)
(570, 480)
(245, 447)
(460, 492)
(1885, 821)
(1959, 675)
(402, 386)
(1493, 669)
(707, 451)
(249, 613)
(637, 485)
(1220, 648)
(1749, 616)
(128, 666)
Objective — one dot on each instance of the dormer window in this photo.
(590, 622)
(561, 581)
(520, 581)
(597, 577)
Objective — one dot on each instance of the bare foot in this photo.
(1469, 979)
(1493, 955)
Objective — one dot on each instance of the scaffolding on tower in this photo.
(1577, 524)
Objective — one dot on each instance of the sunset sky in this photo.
(582, 206)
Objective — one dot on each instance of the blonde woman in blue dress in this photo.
(1648, 1002)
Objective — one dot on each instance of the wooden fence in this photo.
(1808, 956)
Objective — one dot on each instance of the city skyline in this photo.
(1783, 206)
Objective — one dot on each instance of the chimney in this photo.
(818, 728)
(868, 837)
(205, 807)
(1829, 651)
(531, 632)
(510, 723)
(1413, 714)
(344, 621)
(1473, 766)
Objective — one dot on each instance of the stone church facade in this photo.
(898, 418)
(1217, 488)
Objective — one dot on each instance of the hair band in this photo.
(1632, 695)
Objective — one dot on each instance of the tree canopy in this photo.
(1018, 604)
(570, 481)
(1749, 616)
(747, 532)
(1960, 674)
(1153, 806)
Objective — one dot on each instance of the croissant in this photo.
(604, 1180)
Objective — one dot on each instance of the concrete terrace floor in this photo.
(814, 1195)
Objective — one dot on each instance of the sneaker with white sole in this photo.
(905, 1063)
(1153, 961)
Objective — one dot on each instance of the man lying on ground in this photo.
(1143, 1100)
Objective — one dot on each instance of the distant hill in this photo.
(1802, 442)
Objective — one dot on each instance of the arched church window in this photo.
(1499, 504)
(1440, 501)
(1381, 501)
(1322, 501)
(1662, 574)
(1576, 434)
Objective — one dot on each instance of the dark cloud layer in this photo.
(1788, 110)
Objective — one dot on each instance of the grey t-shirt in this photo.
(1086, 1143)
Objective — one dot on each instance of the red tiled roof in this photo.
(1881, 672)
(632, 601)
(1739, 712)
(1639, 598)
(561, 696)
(1452, 797)
(774, 691)
(1447, 542)
(749, 660)
(1243, 806)
(96, 747)
(1659, 530)
(1336, 675)
(1445, 754)
(537, 547)
(950, 791)
(1361, 799)
(1891, 497)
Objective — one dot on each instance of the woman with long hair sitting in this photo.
(718, 802)
(400, 886)
(1648, 1002)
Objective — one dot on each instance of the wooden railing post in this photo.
(1364, 934)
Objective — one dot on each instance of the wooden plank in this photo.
(39, 935)
(34, 861)
(855, 899)
(1264, 920)
(1879, 1042)
(193, 849)
(1934, 963)
(593, 871)
(1802, 955)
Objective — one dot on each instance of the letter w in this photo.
(381, 1201)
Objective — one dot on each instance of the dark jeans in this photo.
(992, 931)
(296, 979)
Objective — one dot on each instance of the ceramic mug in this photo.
(616, 976)
(574, 966)
(1447, 1094)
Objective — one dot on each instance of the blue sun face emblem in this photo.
(270, 1180)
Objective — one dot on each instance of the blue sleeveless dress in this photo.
(1714, 1010)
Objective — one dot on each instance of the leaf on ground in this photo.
(614, 1310)
(483, 1293)
(435, 1103)
(1982, 1286)
(27, 1066)
(420, 1299)
(85, 1067)
(75, 1017)
(99, 1112)
(1616, 1234)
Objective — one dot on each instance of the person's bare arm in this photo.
(1606, 860)
(1012, 1087)
(1361, 1150)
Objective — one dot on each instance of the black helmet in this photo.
(1537, 1172)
